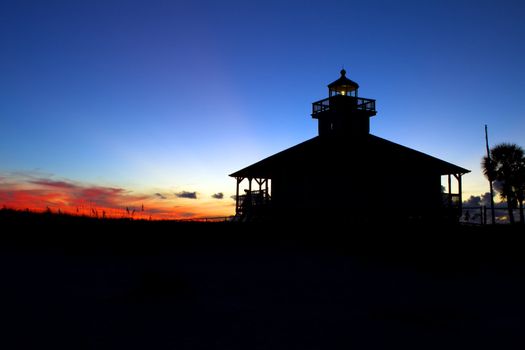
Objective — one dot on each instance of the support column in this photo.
(239, 179)
(259, 182)
(460, 205)
(449, 191)
(266, 188)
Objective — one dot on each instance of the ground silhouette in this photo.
(82, 283)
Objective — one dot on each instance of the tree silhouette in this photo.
(506, 167)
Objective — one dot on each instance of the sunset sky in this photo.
(110, 105)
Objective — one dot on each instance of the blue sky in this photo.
(175, 95)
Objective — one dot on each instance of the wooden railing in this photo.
(365, 104)
(480, 215)
(450, 200)
(253, 200)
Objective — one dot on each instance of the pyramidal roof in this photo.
(343, 82)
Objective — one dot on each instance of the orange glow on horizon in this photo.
(40, 195)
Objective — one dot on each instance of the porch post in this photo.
(239, 179)
(460, 193)
(449, 191)
(259, 182)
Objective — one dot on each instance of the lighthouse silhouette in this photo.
(345, 173)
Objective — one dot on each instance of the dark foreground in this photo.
(142, 285)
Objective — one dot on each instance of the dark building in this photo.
(347, 172)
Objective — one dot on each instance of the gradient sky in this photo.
(155, 99)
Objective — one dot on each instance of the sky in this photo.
(114, 106)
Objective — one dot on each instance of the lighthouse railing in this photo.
(365, 104)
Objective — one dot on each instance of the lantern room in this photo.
(343, 86)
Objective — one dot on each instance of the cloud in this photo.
(476, 201)
(47, 192)
(473, 201)
(55, 184)
(37, 191)
(219, 195)
(186, 194)
(109, 196)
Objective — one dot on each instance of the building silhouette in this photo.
(346, 172)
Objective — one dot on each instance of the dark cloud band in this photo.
(186, 194)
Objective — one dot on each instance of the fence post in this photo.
(485, 214)
(481, 217)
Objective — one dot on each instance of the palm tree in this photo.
(507, 168)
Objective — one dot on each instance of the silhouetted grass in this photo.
(79, 282)
(380, 238)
